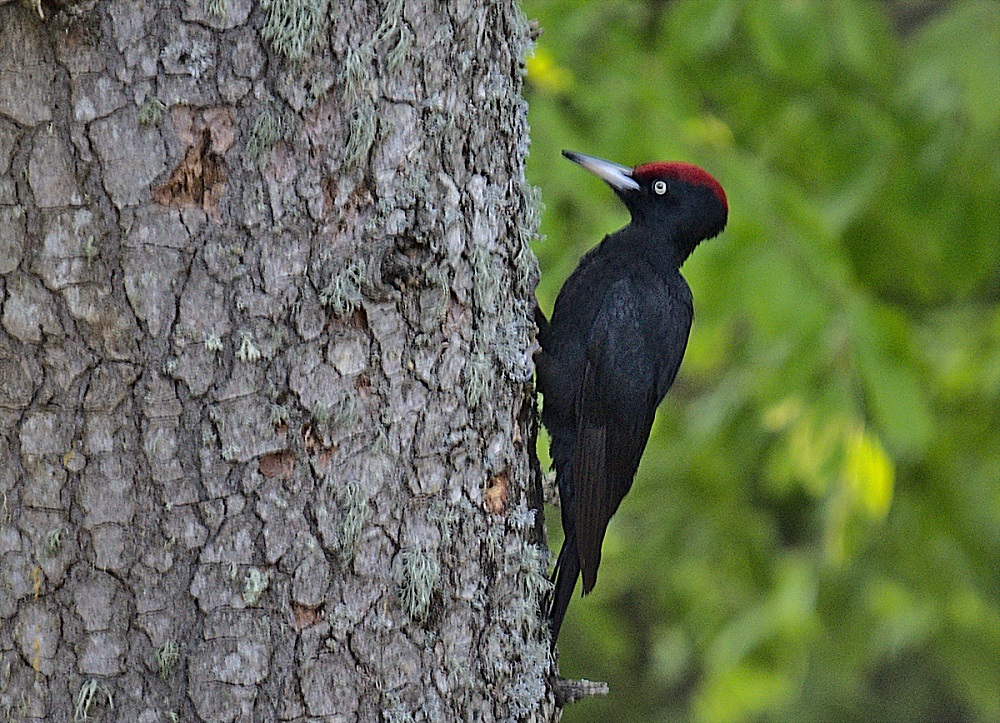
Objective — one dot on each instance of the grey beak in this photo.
(618, 177)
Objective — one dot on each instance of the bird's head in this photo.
(678, 202)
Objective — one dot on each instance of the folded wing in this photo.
(633, 355)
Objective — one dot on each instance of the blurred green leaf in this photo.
(869, 472)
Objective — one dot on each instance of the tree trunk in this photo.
(267, 434)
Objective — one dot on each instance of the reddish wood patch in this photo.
(198, 180)
(279, 464)
(497, 493)
(303, 617)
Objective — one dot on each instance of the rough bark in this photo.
(265, 429)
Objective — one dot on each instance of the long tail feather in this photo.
(565, 575)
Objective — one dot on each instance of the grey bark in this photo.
(266, 438)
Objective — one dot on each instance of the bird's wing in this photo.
(632, 358)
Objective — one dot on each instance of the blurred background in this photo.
(814, 533)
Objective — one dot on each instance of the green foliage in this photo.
(814, 531)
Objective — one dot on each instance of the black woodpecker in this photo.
(613, 347)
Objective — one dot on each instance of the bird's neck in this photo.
(654, 245)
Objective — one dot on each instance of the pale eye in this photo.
(659, 187)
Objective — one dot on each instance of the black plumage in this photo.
(613, 347)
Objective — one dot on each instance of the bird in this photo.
(612, 349)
